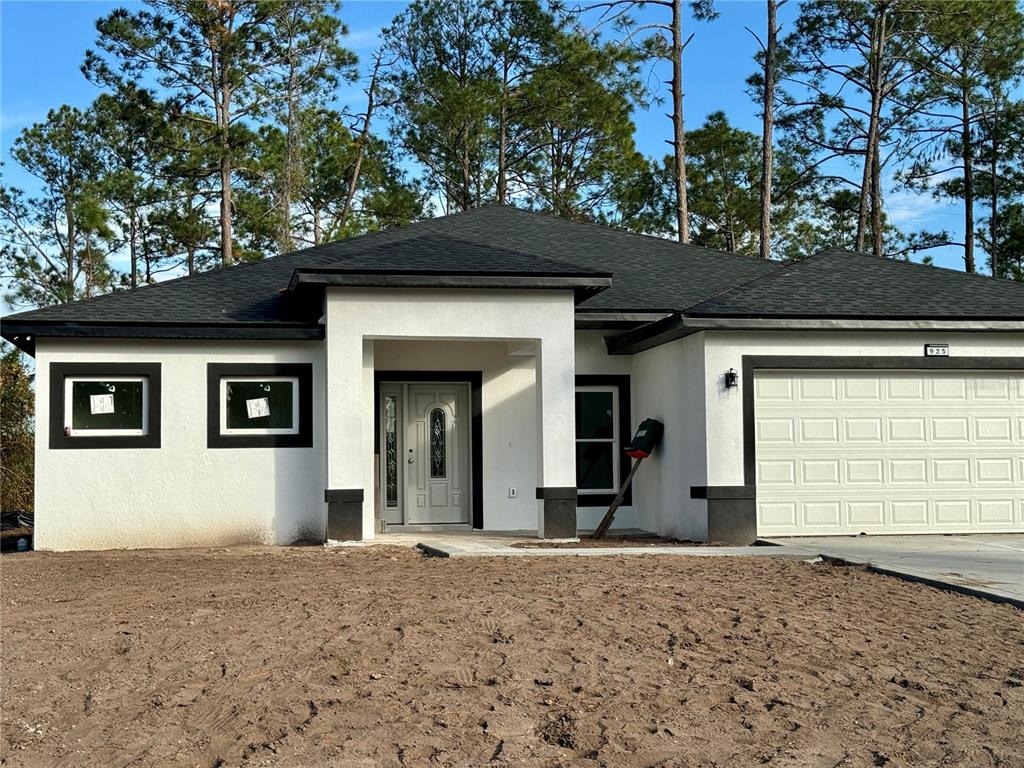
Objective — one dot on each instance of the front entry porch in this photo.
(471, 428)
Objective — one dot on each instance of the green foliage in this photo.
(723, 186)
(502, 101)
(966, 129)
(225, 65)
(17, 404)
(55, 245)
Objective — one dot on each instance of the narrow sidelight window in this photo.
(391, 451)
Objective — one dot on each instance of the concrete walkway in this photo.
(985, 565)
(477, 544)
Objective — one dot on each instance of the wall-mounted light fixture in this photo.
(732, 379)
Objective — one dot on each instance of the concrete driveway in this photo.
(988, 565)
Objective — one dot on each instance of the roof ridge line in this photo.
(473, 243)
(621, 230)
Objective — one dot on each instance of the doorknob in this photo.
(411, 459)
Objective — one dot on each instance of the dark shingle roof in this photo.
(841, 283)
(650, 274)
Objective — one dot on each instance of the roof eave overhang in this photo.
(678, 325)
(583, 286)
(24, 333)
(614, 320)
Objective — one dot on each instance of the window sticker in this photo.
(101, 404)
(258, 408)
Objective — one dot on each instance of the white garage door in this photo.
(847, 452)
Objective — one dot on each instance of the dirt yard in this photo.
(380, 657)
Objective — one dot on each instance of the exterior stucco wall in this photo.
(725, 350)
(358, 320)
(181, 494)
(669, 386)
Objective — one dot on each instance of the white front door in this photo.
(425, 475)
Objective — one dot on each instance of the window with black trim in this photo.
(602, 432)
(259, 405)
(104, 405)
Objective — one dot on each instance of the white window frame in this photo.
(225, 380)
(69, 382)
(614, 440)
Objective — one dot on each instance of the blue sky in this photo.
(717, 63)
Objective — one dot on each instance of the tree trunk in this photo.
(364, 138)
(968, 157)
(876, 203)
(768, 124)
(226, 255)
(994, 201)
(149, 261)
(465, 192)
(679, 135)
(222, 106)
(133, 251)
(317, 227)
(69, 256)
(871, 144)
(292, 158)
(502, 145)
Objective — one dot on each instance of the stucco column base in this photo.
(558, 513)
(732, 513)
(344, 514)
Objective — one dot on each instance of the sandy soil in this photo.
(379, 656)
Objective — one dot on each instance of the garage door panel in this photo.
(867, 471)
(951, 471)
(817, 389)
(955, 512)
(820, 472)
(951, 429)
(777, 472)
(995, 511)
(993, 429)
(862, 430)
(866, 514)
(890, 452)
(949, 389)
(905, 388)
(775, 430)
(820, 430)
(863, 389)
(990, 388)
(906, 429)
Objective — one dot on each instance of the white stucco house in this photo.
(485, 371)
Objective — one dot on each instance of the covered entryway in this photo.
(898, 451)
(424, 452)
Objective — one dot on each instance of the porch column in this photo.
(349, 396)
(556, 435)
